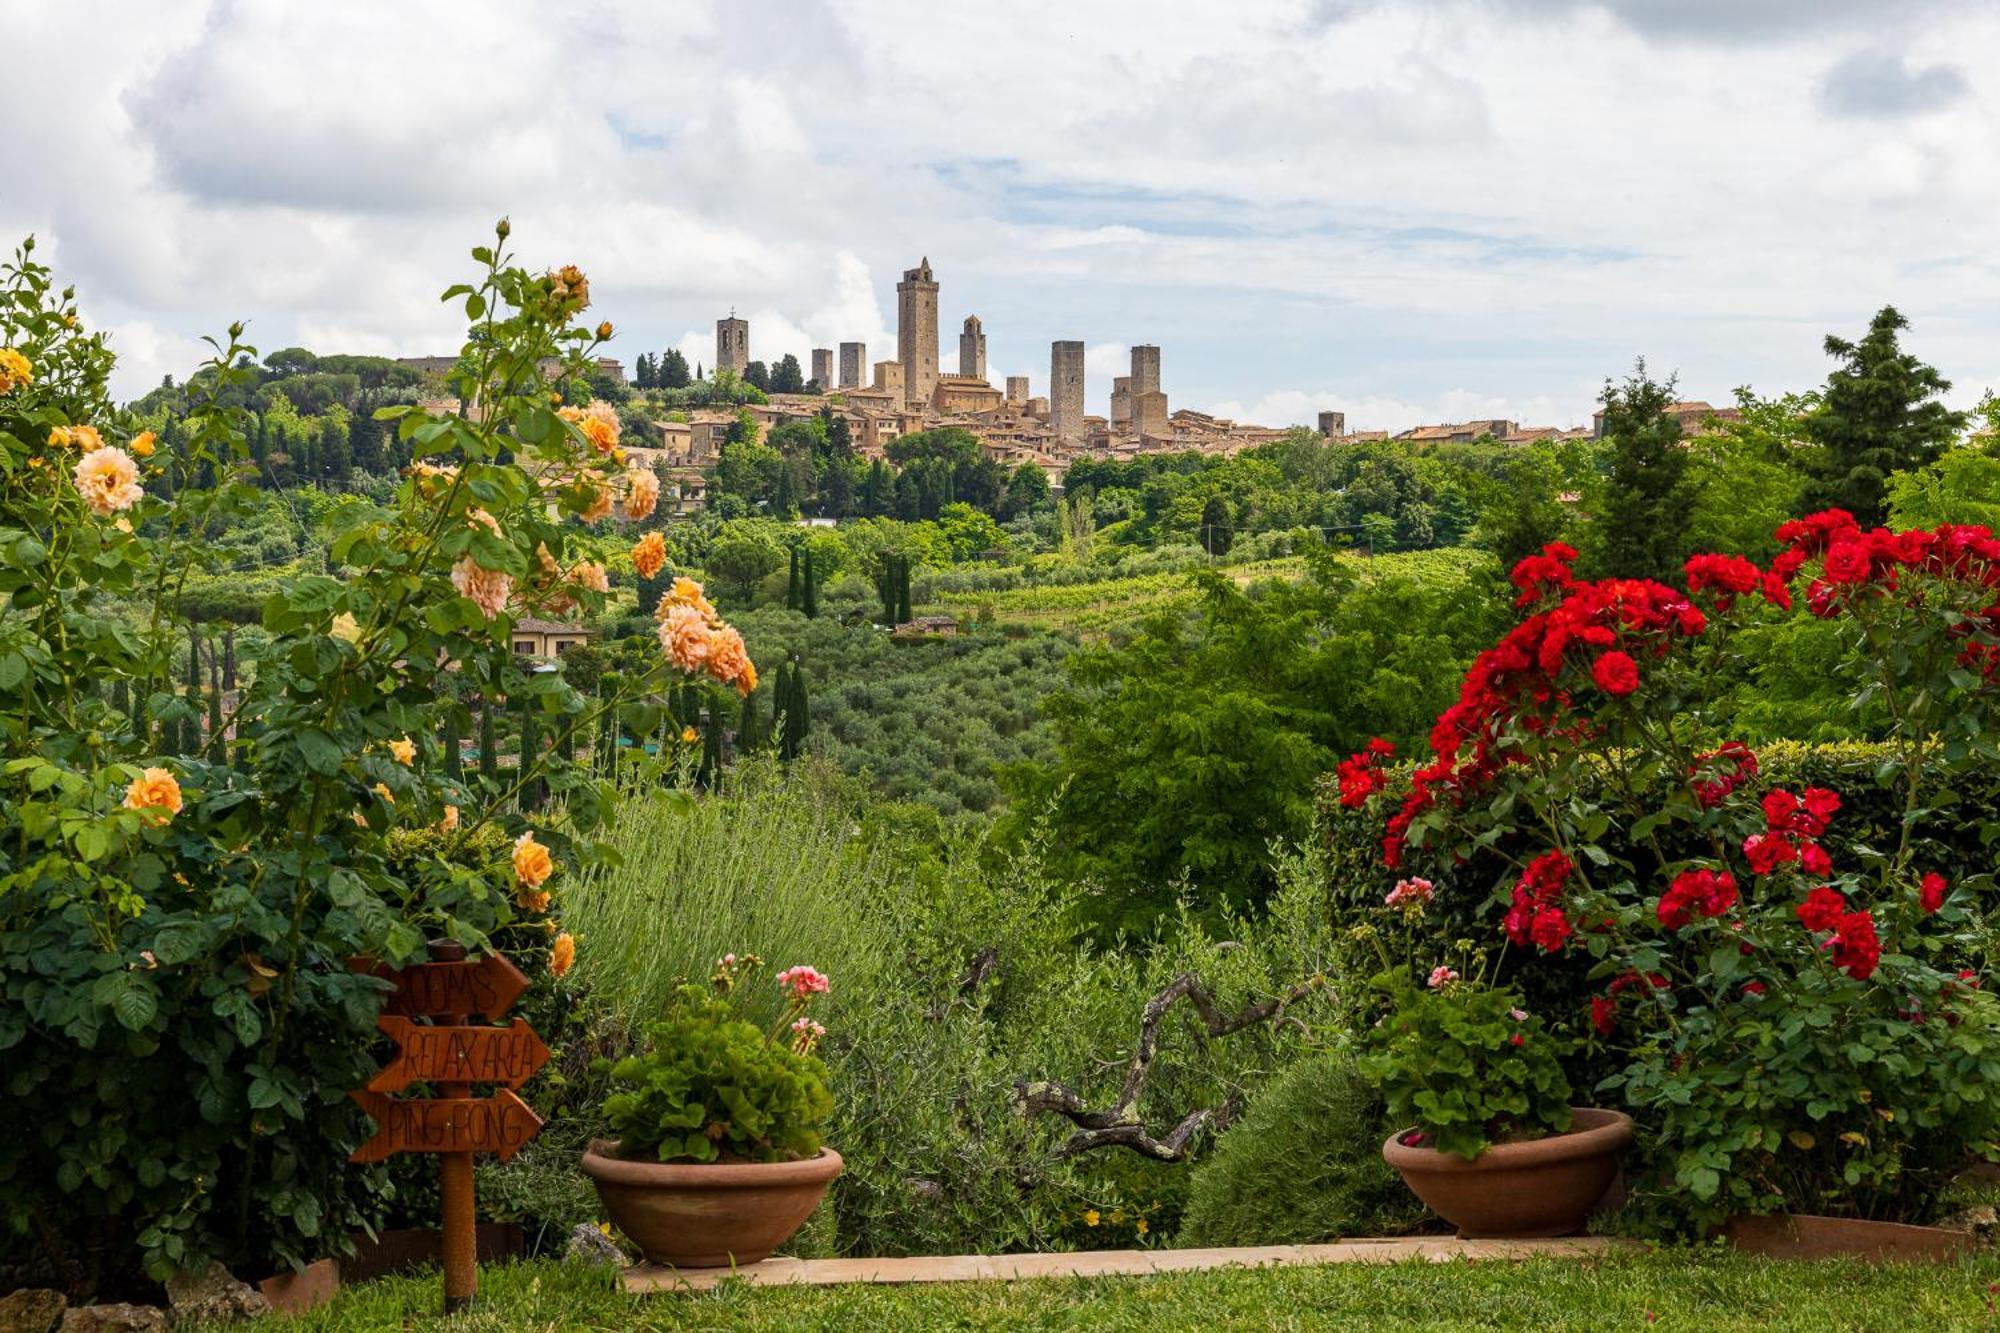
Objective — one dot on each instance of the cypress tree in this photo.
(229, 658)
(489, 744)
(1648, 501)
(903, 590)
(792, 583)
(885, 586)
(121, 695)
(746, 725)
(218, 745)
(454, 763)
(808, 591)
(531, 746)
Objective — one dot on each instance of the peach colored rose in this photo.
(649, 557)
(642, 493)
(155, 790)
(532, 864)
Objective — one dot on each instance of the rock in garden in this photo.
(588, 1245)
(114, 1319)
(31, 1310)
(213, 1296)
(1980, 1221)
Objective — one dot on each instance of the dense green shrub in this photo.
(1303, 1165)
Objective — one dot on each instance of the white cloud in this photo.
(1409, 205)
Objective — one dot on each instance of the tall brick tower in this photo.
(732, 343)
(1066, 389)
(917, 332)
(853, 365)
(972, 349)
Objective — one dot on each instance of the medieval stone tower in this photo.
(853, 365)
(917, 332)
(1017, 388)
(822, 363)
(1066, 390)
(1145, 370)
(732, 343)
(972, 349)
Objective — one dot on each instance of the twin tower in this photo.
(1138, 407)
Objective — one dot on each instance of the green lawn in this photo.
(1674, 1290)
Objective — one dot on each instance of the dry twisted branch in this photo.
(1119, 1125)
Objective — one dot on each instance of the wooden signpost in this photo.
(453, 1054)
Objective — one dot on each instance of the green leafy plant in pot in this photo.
(1495, 1147)
(719, 1158)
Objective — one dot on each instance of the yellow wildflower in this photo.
(1090, 1217)
(689, 735)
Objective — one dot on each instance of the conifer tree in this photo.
(489, 743)
(454, 763)
(747, 736)
(792, 599)
(1879, 414)
(1648, 501)
(218, 746)
(229, 658)
(673, 372)
(903, 616)
(808, 588)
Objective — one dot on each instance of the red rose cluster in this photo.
(1696, 893)
(1722, 771)
(1604, 1008)
(1536, 916)
(1730, 576)
(1792, 823)
(1613, 623)
(1855, 946)
(1363, 774)
(1852, 561)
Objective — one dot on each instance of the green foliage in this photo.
(1187, 751)
(1466, 1065)
(1962, 486)
(710, 1086)
(1302, 1166)
(1880, 414)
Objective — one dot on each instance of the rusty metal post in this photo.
(460, 1244)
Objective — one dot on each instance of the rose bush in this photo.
(180, 1023)
(1794, 1029)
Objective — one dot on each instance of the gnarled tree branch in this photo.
(1120, 1125)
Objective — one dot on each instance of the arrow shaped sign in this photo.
(497, 1124)
(486, 986)
(508, 1055)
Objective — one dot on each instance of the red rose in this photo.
(1930, 893)
(1696, 892)
(1603, 1014)
(1822, 909)
(1753, 988)
(1855, 948)
(1814, 860)
(1767, 851)
(1615, 673)
(1846, 562)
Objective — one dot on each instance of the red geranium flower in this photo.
(1615, 673)
(1603, 1014)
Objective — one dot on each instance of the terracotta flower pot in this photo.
(1543, 1187)
(1809, 1236)
(695, 1216)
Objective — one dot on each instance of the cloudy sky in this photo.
(1412, 211)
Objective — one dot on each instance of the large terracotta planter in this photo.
(692, 1216)
(1543, 1187)
(1809, 1236)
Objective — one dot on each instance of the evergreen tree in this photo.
(218, 747)
(836, 489)
(839, 436)
(878, 491)
(642, 372)
(229, 658)
(886, 588)
(787, 376)
(531, 749)
(1648, 500)
(903, 616)
(673, 373)
(758, 376)
(748, 726)
(454, 763)
(1878, 415)
(808, 588)
(792, 583)
(489, 744)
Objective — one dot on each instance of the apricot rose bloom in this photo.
(685, 637)
(684, 592)
(14, 370)
(649, 557)
(532, 865)
(155, 790)
(488, 589)
(108, 480)
(599, 507)
(569, 285)
(405, 750)
(642, 493)
(141, 445)
(729, 660)
(562, 954)
(590, 574)
(75, 437)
